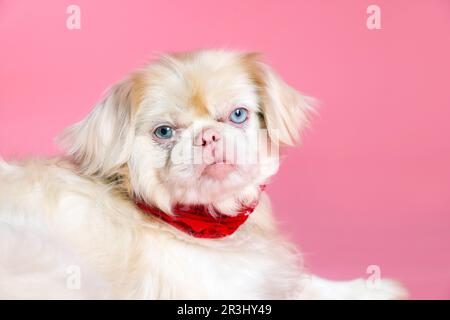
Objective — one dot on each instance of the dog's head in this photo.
(200, 127)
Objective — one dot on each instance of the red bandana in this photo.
(197, 221)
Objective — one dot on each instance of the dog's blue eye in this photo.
(164, 132)
(239, 115)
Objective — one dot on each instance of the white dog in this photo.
(161, 195)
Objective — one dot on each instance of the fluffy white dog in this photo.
(161, 195)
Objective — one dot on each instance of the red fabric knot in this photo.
(198, 220)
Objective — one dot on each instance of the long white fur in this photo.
(66, 211)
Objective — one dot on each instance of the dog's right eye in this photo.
(239, 115)
(163, 132)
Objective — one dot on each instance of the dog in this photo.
(154, 198)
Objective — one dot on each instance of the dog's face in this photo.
(201, 127)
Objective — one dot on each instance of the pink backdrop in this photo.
(371, 183)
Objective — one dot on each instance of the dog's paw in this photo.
(384, 289)
(312, 287)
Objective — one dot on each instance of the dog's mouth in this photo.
(218, 170)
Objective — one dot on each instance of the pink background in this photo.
(371, 183)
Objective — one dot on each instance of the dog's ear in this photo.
(102, 142)
(284, 110)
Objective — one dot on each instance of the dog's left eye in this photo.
(239, 115)
(163, 132)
